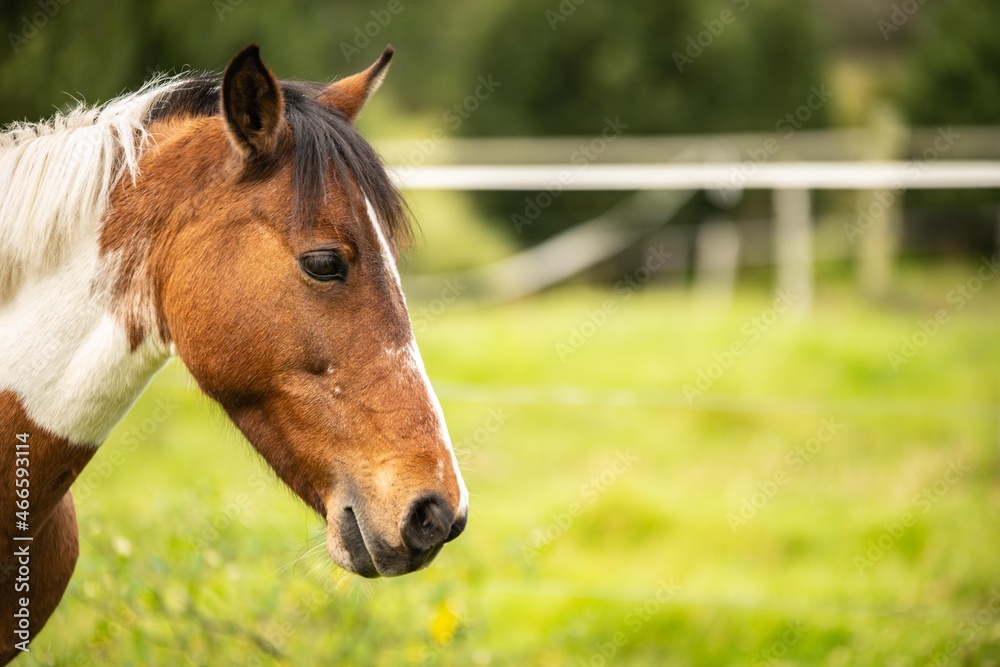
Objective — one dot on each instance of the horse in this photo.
(243, 225)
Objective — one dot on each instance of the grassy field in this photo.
(820, 501)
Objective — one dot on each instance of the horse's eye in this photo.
(324, 265)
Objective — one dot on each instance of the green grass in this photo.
(192, 554)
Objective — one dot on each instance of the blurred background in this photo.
(710, 305)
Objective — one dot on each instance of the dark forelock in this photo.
(325, 143)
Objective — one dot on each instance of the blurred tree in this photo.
(681, 66)
(55, 49)
(950, 79)
(951, 69)
(564, 66)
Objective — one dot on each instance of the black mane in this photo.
(323, 139)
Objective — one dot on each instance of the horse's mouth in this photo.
(361, 561)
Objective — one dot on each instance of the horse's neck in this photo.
(65, 355)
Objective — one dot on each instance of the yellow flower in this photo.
(444, 624)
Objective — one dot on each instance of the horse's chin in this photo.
(357, 551)
(346, 546)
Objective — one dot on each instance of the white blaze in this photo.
(410, 355)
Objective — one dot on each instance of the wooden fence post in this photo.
(717, 259)
(879, 213)
(793, 240)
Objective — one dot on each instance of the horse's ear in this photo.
(252, 104)
(350, 94)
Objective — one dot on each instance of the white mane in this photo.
(56, 177)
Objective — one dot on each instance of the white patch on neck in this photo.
(66, 357)
(410, 355)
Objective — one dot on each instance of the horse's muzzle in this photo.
(429, 523)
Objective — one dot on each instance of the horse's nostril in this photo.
(428, 523)
(458, 527)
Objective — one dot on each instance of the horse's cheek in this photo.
(228, 308)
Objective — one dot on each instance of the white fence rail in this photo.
(706, 176)
(791, 183)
